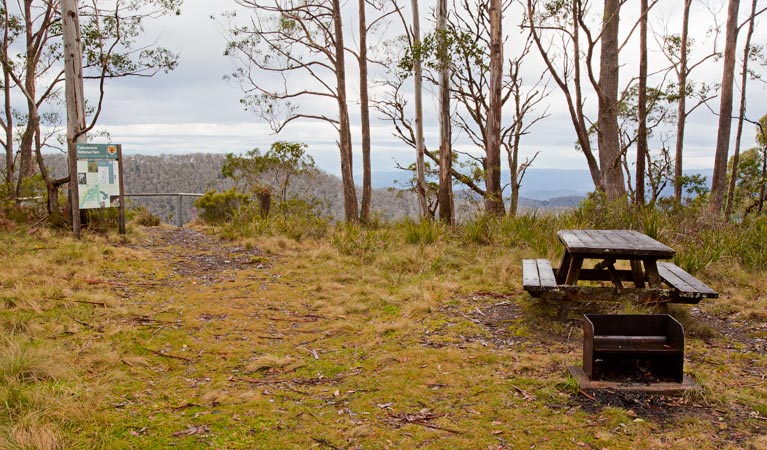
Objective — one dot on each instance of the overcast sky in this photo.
(192, 109)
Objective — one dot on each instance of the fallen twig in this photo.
(102, 304)
(297, 381)
(300, 319)
(167, 355)
(587, 395)
(325, 442)
(422, 419)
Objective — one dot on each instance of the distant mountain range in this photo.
(538, 185)
(542, 189)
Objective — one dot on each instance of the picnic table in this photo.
(641, 278)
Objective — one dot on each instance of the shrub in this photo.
(220, 207)
(296, 219)
(144, 217)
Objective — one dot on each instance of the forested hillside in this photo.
(199, 173)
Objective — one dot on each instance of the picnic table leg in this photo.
(636, 271)
(574, 270)
(654, 280)
(574, 264)
(651, 269)
(564, 267)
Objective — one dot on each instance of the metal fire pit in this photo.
(632, 351)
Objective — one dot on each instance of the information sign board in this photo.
(98, 175)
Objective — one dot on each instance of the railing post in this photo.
(179, 222)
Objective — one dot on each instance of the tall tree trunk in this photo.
(75, 100)
(719, 178)
(513, 159)
(493, 193)
(420, 170)
(445, 197)
(576, 110)
(8, 124)
(682, 102)
(26, 169)
(741, 112)
(642, 107)
(55, 218)
(608, 133)
(364, 116)
(345, 141)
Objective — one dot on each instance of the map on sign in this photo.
(98, 176)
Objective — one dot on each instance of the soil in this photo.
(194, 254)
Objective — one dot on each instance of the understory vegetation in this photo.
(295, 332)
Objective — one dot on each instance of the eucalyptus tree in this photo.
(445, 196)
(719, 178)
(568, 47)
(292, 52)
(678, 49)
(469, 38)
(750, 52)
(32, 57)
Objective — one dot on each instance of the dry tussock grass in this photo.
(31, 432)
(391, 346)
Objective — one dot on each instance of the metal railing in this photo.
(179, 198)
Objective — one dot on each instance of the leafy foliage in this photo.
(220, 207)
(271, 170)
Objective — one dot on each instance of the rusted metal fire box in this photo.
(638, 348)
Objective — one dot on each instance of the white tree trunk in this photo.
(75, 100)
(420, 184)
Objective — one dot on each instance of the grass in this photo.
(407, 336)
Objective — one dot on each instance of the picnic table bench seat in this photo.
(539, 280)
(538, 275)
(689, 289)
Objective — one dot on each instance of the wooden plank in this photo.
(605, 294)
(575, 268)
(683, 281)
(636, 273)
(564, 267)
(530, 277)
(546, 273)
(622, 244)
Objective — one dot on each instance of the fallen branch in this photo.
(119, 283)
(297, 381)
(167, 355)
(422, 419)
(300, 319)
(102, 304)
(587, 395)
(325, 442)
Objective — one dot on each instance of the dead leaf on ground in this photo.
(192, 430)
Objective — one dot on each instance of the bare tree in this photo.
(75, 100)
(719, 181)
(10, 32)
(494, 194)
(608, 137)
(420, 184)
(748, 54)
(35, 67)
(300, 38)
(677, 49)
(364, 114)
(446, 207)
(562, 27)
(642, 151)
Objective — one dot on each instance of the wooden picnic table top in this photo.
(625, 244)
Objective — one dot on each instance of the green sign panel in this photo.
(96, 151)
(98, 176)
